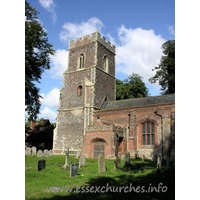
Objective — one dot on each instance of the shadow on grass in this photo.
(135, 184)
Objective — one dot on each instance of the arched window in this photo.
(80, 63)
(148, 133)
(79, 91)
(105, 64)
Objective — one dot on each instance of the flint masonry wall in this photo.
(76, 112)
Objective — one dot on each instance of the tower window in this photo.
(105, 63)
(79, 91)
(81, 61)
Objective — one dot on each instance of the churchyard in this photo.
(54, 177)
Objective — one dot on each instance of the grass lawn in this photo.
(138, 181)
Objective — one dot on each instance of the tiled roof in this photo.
(137, 102)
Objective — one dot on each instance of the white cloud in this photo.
(73, 31)
(49, 5)
(139, 51)
(51, 99)
(60, 63)
(47, 113)
(171, 30)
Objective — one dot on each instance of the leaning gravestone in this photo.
(127, 158)
(28, 151)
(39, 153)
(50, 153)
(101, 163)
(73, 170)
(46, 153)
(82, 161)
(33, 151)
(40, 165)
(66, 165)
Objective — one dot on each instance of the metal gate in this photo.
(98, 148)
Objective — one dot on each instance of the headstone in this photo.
(159, 164)
(50, 153)
(101, 163)
(135, 156)
(40, 165)
(78, 154)
(73, 170)
(118, 163)
(33, 151)
(46, 154)
(115, 164)
(82, 161)
(123, 157)
(127, 158)
(28, 151)
(66, 165)
(143, 157)
(39, 153)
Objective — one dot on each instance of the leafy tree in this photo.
(37, 52)
(132, 87)
(165, 74)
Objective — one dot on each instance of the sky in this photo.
(137, 28)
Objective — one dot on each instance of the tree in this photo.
(37, 52)
(133, 87)
(165, 74)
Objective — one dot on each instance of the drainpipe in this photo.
(161, 129)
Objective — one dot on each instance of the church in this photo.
(90, 120)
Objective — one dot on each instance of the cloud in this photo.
(74, 30)
(47, 113)
(138, 51)
(171, 30)
(51, 99)
(60, 63)
(49, 5)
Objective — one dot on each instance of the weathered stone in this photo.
(28, 151)
(143, 158)
(82, 161)
(78, 154)
(101, 164)
(39, 153)
(66, 165)
(159, 164)
(127, 158)
(50, 153)
(46, 154)
(33, 151)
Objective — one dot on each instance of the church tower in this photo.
(88, 82)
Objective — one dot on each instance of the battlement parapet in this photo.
(88, 39)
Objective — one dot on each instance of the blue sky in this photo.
(137, 28)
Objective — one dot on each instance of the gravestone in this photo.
(159, 164)
(127, 158)
(66, 165)
(78, 154)
(33, 151)
(40, 165)
(39, 153)
(101, 163)
(82, 161)
(73, 170)
(123, 157)
(116, 163)
(135, 156)
(46, 154)
(143, 157)
(28, 151)
(50, 153)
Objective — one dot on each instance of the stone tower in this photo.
(88, 82)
